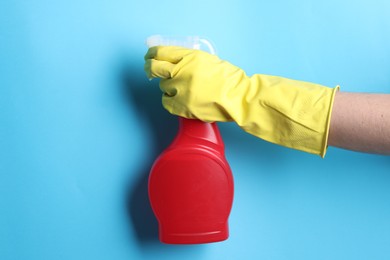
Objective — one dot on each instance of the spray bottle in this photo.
(190, 183)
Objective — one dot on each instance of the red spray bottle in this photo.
(190, 183)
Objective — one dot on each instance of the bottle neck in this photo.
(196, 132)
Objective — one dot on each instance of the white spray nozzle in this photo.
(191, 42)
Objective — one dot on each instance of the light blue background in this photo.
(80, 126)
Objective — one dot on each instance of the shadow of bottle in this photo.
(145, 97)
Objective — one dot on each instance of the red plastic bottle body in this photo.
(191, 186)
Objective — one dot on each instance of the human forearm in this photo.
(361, 122)
(287, 112)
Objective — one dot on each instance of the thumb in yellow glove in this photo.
(199, 85)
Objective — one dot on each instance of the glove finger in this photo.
(172, 54)
(158, 69)
(174, 107)
(168, 88)
(167, 103)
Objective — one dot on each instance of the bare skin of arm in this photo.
(361, 122)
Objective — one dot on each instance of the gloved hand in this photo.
(199, 85)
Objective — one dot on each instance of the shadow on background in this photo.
(145, 97)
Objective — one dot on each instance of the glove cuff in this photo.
(326, 135)
(287, 112)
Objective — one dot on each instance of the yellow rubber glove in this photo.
(199, 85)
